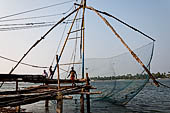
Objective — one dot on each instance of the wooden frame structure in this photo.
(47, 92)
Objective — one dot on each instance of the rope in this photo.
(65, 42)
(29, 25)
(35, 17)
(77, 27)
(36, 23)
(163, 84)
(35, 66)
(24, 27)
(28, 11)
(107, 14)
(59, 44)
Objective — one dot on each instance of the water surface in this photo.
(150, 100)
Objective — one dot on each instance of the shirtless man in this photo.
(72, 75)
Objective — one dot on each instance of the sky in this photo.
(150, 16)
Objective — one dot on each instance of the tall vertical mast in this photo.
(84, 5)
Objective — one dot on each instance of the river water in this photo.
(150, 100)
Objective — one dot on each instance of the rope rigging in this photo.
(36, 23)
(28, 11)
(124, 23)
(36, 17)
(38, 41)
(45, 24)
(43, 37)
(30, 25)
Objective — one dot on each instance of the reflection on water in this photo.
(150, 100)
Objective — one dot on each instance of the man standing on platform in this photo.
(72, 75)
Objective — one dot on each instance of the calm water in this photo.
(150, 100)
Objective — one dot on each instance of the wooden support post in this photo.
(18, 107)
(16, 85)
(59, 103)
(58, 73)
(46, 102)
(46, 105)
(82, 103)
(59, 106)
(87, 95)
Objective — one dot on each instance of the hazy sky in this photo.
(149, 16)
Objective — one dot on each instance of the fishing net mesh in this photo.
(117, 68)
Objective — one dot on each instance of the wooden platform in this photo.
(34, 79)
(35, 94)
(46, 92)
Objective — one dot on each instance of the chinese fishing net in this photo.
(119, 78)
(126, 77)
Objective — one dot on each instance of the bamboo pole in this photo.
(83, 27)
(122, 41)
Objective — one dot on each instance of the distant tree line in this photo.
(130, 76)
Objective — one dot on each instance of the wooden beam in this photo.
(88, 95)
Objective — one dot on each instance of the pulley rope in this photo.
(28, 11)
(107, 14)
